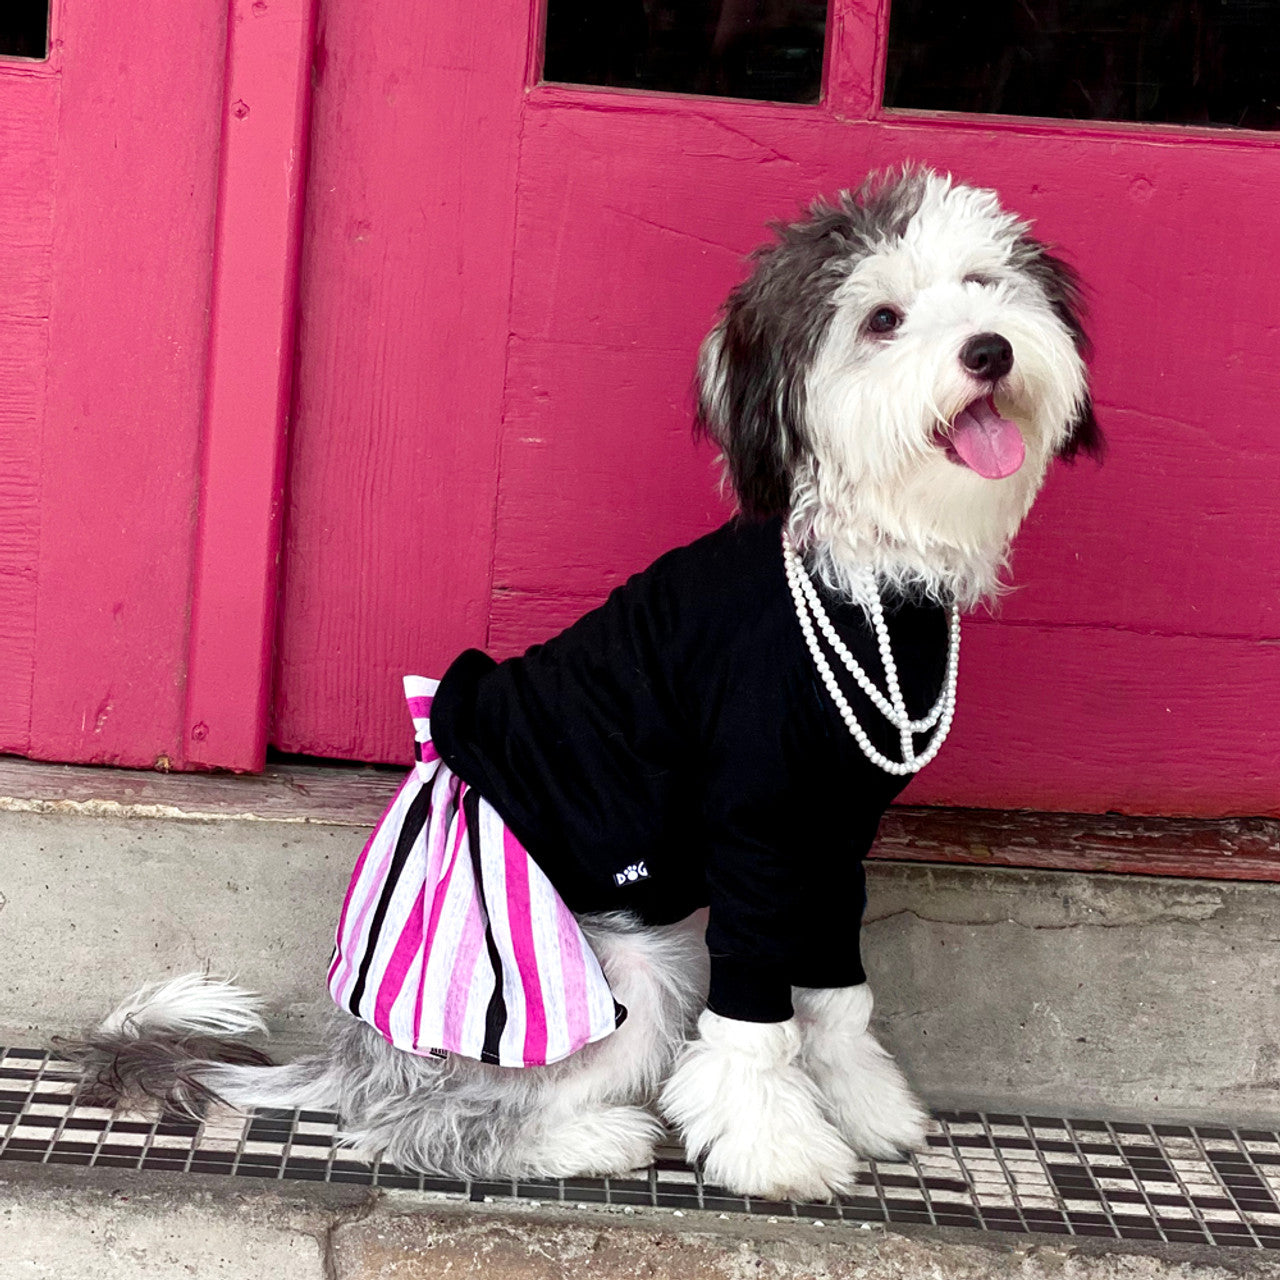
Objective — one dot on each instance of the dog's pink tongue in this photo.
(989, 444)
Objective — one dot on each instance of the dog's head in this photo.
(895, 377)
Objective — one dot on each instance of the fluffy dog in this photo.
(887, 388)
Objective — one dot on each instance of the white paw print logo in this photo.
(629, 875)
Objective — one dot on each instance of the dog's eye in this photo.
(979, 279)
(883, 320)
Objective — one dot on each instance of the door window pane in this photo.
(763, 49)
(24, 26)
(1205, 62)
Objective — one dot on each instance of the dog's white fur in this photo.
(884, 495)
(786, 1109)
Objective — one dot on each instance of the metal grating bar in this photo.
(1004, 1173)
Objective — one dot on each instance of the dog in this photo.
(887, 388)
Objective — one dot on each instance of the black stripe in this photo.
(495, 1018)
(414, 820)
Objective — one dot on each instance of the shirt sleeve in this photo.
(783, 913)
(787, 830)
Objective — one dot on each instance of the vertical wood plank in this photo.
(28, 142)
(402, 351)
(857, 34)
(132, 242)
(264, 144)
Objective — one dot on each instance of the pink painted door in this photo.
(504, 286)
(152, 166)
(106, 223)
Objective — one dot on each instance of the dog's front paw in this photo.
(862, 1088)
(796, 1157)
(740, 1100)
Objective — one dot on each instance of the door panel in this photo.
(29, 105)
(106, 246)
(1134, 666)
(402, 348)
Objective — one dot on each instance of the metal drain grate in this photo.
(1012, 1173)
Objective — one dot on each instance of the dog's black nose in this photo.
(988, 356)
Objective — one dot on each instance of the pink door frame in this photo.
(265, 135)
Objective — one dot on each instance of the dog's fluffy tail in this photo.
(181, 1043)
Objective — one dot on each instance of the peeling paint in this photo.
(115, 809)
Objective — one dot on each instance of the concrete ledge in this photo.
(92, 1226)
(1006, 988)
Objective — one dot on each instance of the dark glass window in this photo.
(764, 49)
(24, 28)
(1207, 62)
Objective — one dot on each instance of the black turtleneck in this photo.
(674, 748)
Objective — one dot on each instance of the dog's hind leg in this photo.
(592, 1116)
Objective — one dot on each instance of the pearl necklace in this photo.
(810, 613)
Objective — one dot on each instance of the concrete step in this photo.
(997, 986)
(112, 1226)
(1013, 996)
(102, 1225)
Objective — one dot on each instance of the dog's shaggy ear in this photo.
(753, 364)
(745, 406)
(1061, 285)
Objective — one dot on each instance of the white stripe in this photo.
(403, 896)
(471, 1038)
(494, 869)
(420, 687)
(441, 971)
(369, 886)
(546, 942)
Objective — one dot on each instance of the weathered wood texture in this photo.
(1226, 849)
(28, 110)
(1136, 666)
(503, 293)
(406, 286)
(265, 120)
(110, 439)
(130, 159)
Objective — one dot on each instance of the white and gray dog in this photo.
(890, 384)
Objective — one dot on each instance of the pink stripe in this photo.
(442, 888)
(521, 924)
(439, 894)
(464, 970)
(344, 959)
(429, 753)
(406, 948)
(577, 1015)
(419, 707)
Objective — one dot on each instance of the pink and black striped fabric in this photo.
(451, 938)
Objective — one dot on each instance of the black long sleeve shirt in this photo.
(675, 748)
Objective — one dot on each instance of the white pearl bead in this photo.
(809, 608)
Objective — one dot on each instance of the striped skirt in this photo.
(451, 938)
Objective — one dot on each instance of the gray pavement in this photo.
(95, 1227)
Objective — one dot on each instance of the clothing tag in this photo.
(637, 871)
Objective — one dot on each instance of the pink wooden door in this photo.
(505, 283)
(152, 163)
